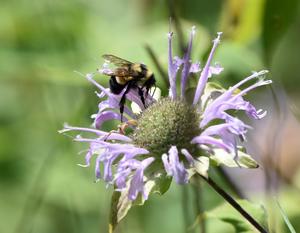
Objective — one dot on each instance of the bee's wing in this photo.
(119, 72)
(122, 72)
(107, 72)
(116, 60)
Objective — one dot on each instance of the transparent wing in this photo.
(120, 72)
(116, 60)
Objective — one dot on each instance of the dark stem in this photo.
(159, 68)
(237, 191)
(234, 204)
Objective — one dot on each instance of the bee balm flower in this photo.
(173, 137)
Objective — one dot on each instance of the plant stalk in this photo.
(199, 208)
(234, 204)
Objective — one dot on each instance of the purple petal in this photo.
(205, 72)
(195, 67)
(121, 177)
(108, 162)
(166, 163)
(229, 100)
(116, 136)
(172, 69)
(217, 69)
(135, 97)
(113, 100)
(207, 140)
(188, 156)
(106, 135)
(228, 132)
(89, 77)
(137, 182)
(106, 116)
(174, 167)
(88, 157)
(105, 69)
(97, 168)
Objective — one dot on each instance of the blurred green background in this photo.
(42, 42)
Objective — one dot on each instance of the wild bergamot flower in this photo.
(175, 136)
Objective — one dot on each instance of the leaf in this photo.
(200, 166)
(241, 20)
(120, 203)
(158, 183)
(277, 18)
(227, 214)
(243, 160)
(212, 90)
(285, 217)
(161, 184)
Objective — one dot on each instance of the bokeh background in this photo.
(43, 42)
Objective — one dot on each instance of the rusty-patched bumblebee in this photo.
(128, 75)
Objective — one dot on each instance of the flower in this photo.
(174, 137)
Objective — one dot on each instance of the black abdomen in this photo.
(114, 86)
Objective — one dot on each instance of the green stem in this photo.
(175, 20)
(185, 207)
(234, 204)
(159, 68)
(199, 205)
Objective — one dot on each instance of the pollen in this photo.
(167, 123)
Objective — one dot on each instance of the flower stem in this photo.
(237, 191)
(234, 204)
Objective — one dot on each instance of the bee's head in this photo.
(137, 67)
(149, 74)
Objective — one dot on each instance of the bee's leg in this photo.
(141, 94)
(123, 99)
(153, 91)
(108, 135)
(122, 127)
(148, 84)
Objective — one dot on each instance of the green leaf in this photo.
(211, 91)
(227, 214)
(161, 184)
(285, 217)
(201, 166)
(277, 18)
(241, 20)
(156, 182)
(229, 160)
(120, 205)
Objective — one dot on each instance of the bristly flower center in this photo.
(166, 123)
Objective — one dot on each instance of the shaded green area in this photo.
(43, 42)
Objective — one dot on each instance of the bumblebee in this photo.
(128, 75)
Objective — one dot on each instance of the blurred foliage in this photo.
(228, 215)
(278, 16)
(43, 42)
